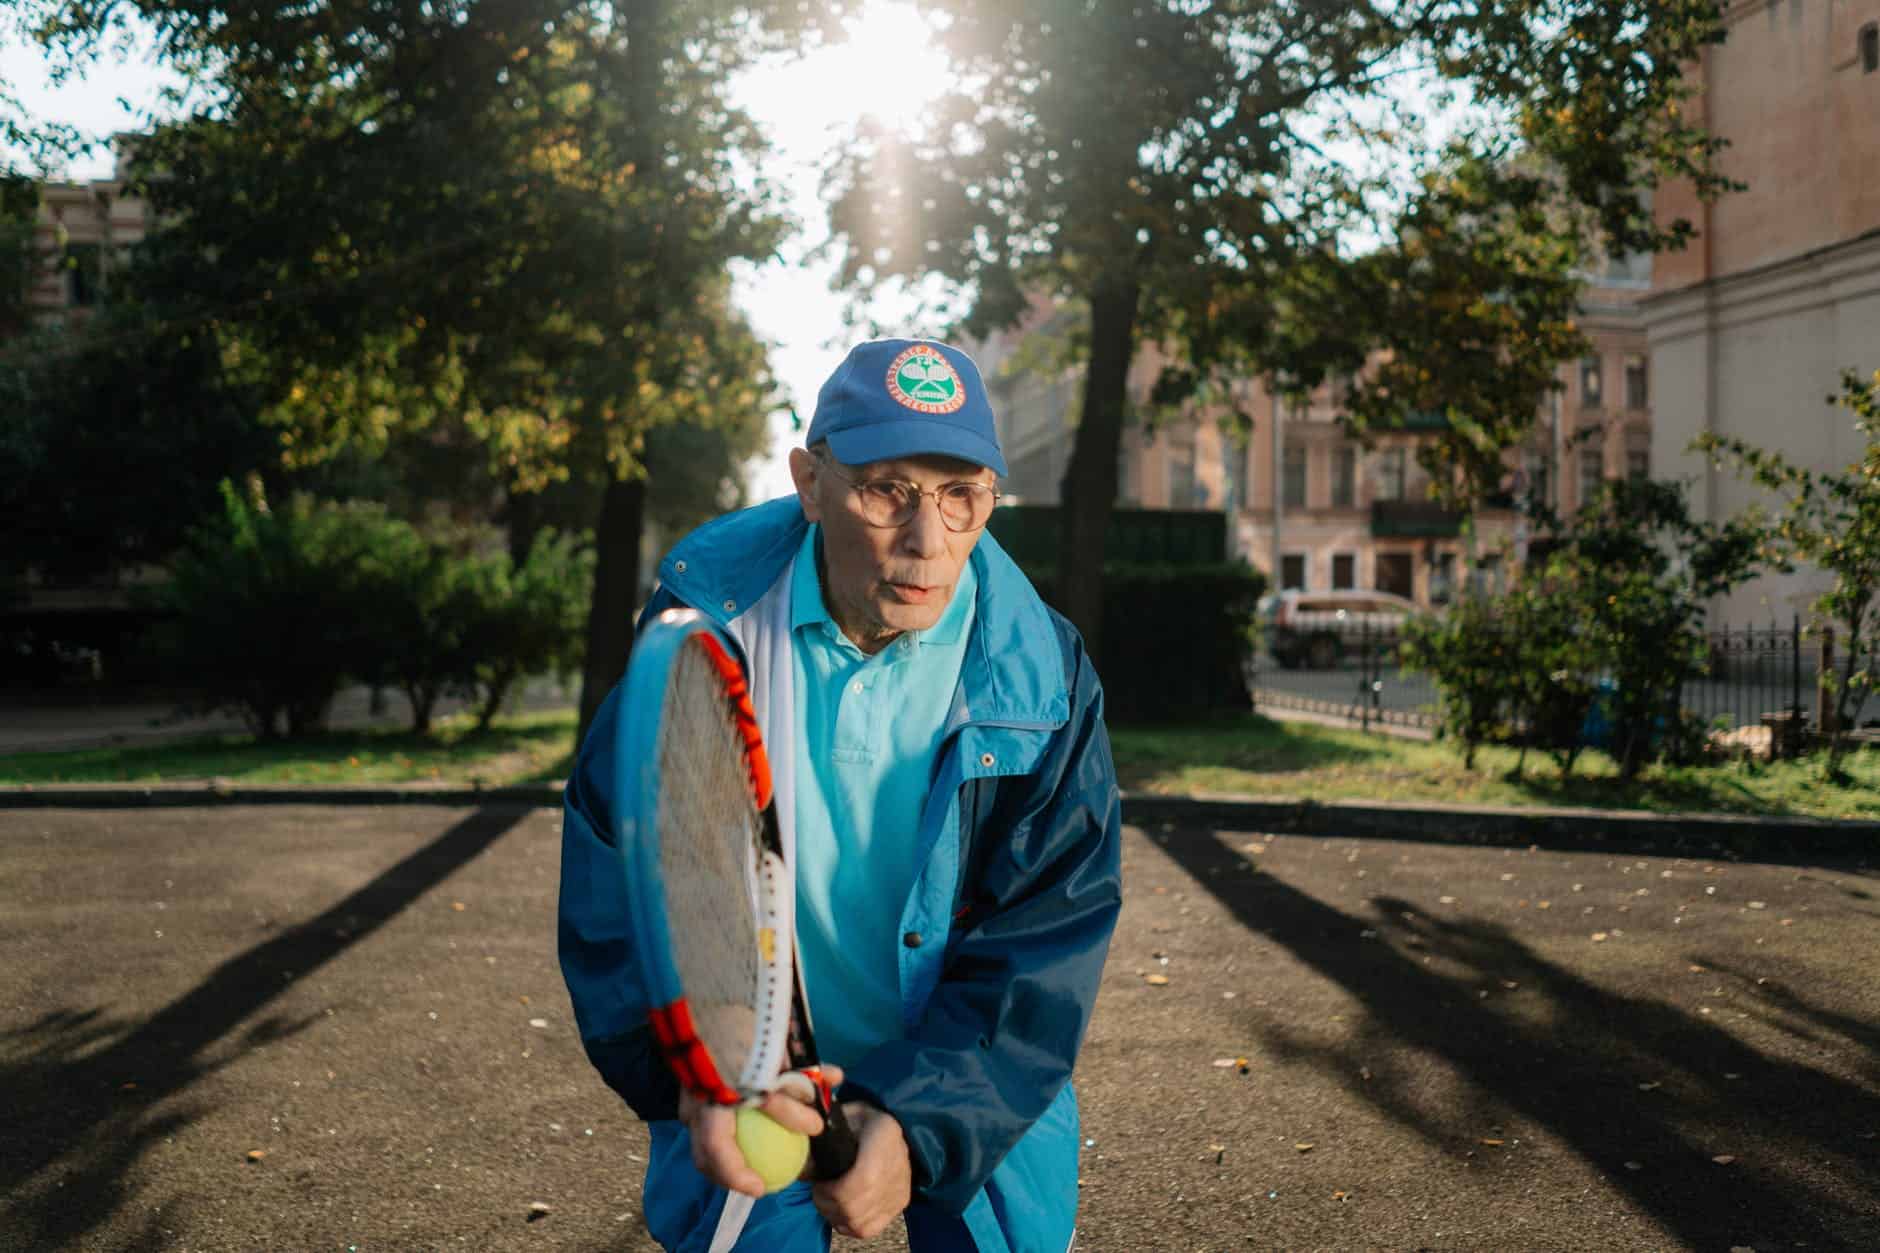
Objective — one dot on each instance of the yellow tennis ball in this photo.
(774, 1151)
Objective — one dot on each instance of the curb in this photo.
(1587, 829)
(186, 795)
(1611, 830)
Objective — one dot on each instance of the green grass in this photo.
(1246, 755)
(1257, 757)
(525, 748)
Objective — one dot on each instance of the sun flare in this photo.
(890, 67)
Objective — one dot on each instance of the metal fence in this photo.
(1756, 676)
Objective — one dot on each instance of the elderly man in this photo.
(938, 742)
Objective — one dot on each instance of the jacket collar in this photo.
(1013, 673)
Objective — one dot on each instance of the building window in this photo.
(1638, 464)
(85, 264)
(1486, 579)
(1870, 47)
(1536, 490)
(1344, 571)
(1292, 572)
(1396, 573)
(1390, 474)
(1344, 477)
(1637, 381)
(1589, 382)
(1235, 456)
(1443, 579)
(1182, 487)
(1592, 474)
(1293, 481)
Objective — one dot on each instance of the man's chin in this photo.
(899, 616)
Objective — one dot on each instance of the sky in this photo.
(805, 103)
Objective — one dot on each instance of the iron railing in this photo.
(1756, 677)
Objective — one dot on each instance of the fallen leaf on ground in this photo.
(1648, 1087)
(255, 1155)
(1493, 1143)
(1723, 1159)
(538, 1209)
(1304, 1147)
(459, 906)
(1599, 937)
(1341, 1196)
(1155, 981)
(1635, 1165)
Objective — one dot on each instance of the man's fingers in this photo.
(791, 1112)
(716, 1154)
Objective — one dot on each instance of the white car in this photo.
(1316, 629)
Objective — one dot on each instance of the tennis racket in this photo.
(712, 901)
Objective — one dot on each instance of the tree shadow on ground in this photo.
(1613, 1077)
(80, 1090)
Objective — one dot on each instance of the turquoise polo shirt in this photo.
(868, 734)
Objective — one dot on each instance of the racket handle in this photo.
(834, 1150)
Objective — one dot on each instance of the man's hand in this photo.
(714, 1144)
(879, 1186)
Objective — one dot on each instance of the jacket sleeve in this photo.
(594, 935)
(1043, 888)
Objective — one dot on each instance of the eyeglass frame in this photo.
(856, 485)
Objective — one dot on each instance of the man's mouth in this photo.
(914, 593)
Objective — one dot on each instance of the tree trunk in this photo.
(616, 594)
(1089, 490)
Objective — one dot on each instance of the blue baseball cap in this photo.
(906, 398)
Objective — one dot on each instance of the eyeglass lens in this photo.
(890, 502)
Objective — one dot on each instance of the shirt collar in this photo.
(807, 607)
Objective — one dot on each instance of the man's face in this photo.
(881, 581)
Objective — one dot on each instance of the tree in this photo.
(1832, 521)
(1185, 170)
(510, 220)
(115, 441)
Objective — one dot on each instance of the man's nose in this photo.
(925, 535)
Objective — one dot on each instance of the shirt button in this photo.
(912, 939)
(985, 759)
(857, 687)
(731, 606)
(679, 566)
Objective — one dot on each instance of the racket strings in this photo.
(707, 826)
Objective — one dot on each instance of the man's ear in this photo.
(803, 472)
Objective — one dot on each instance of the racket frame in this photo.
(789, 1038)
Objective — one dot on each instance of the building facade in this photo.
(1751, 326)
(82, 233)
(1314, 509)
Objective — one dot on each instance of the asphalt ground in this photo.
(341, 1028)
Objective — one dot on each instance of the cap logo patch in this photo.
(925, 381)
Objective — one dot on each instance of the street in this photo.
(293, 1027)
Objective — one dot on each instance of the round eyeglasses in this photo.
(894, 502)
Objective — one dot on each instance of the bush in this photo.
(271, 609)
(527, 619)
(1475, 661)
(275, 610)
(1175, 638)
(1602, 638)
